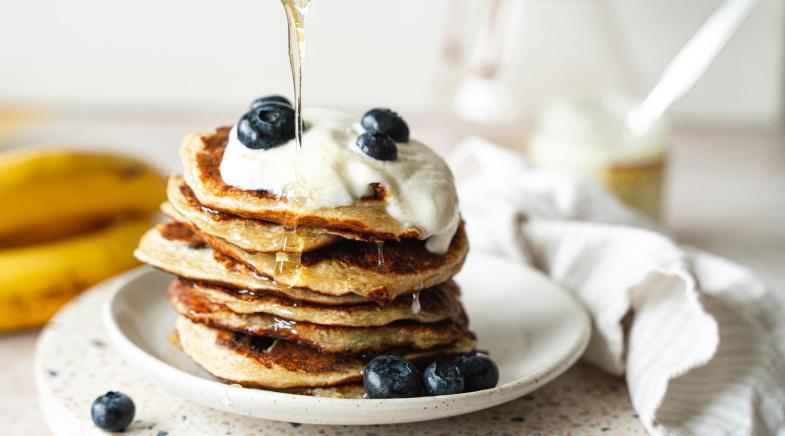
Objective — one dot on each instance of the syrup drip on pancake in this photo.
(285, 324)
(416, 306)
(289, 256)
(380, 253)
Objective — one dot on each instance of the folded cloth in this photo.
(700, 341)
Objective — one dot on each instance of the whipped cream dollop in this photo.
(334, 172)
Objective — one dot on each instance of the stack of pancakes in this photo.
(274, 295)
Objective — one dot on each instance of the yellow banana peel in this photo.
(67, 221)
(36, 280)
(55, 191)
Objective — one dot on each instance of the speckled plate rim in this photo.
(314, 410)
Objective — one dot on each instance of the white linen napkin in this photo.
(700, 341)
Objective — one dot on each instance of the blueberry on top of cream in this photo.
(266, 126)
(386, 121)
(378, 145)
(335, 170)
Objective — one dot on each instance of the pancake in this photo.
(173, 248)
(201, 154)
(353, 391)
(349, 266)
(438, 303)
(256, 361)
(248, 234)
(403, 335)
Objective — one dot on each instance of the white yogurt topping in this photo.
(334, 172)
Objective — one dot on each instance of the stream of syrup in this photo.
(296, 14)
(288, 257)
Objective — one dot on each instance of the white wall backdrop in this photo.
(193, 53)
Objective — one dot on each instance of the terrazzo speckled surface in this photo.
(75, 364)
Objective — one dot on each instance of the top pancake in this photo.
(201, 154)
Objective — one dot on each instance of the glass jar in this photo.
(591, 138)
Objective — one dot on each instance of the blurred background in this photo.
(136, 77)
(199, 62)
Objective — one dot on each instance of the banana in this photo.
(57, 191)
(36, 280)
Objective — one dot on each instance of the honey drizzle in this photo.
(380, 253)
(289, 256)
(280, 324)
(416, 303)
(296, 14)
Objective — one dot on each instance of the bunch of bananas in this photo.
(67, 221)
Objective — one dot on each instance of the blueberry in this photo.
(442, 378)
(386, 121)
(378, 146)
(261, 101)
(113, 411)
(479, 371)
(391, 377)
(266, 126)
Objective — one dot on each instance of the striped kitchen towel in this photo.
(699, 339)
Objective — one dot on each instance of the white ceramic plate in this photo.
(533, 330)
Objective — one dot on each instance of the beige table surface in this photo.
(726, 195)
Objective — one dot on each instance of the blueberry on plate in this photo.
(391, 377)
(442, 378)
(378, 146)
(112, 411)
(479, 371)
(266, 126)
(386, 121)
(279, 99)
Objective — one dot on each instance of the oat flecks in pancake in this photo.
(201, 155)
(436, 304)
(283, 365)
(178, 231)
(199, 263)
(248, 234)
(352, 391)
(341, 269)
(402, 335)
